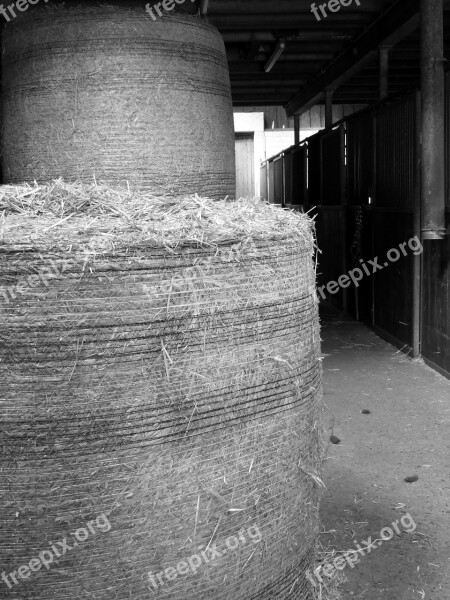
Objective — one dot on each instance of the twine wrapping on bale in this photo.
(167, 376)
(106, 93)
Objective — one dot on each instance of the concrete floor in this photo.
(407, 433)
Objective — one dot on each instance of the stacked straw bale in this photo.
(104, 93)
(166, 376)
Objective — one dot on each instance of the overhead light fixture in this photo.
(275, 56)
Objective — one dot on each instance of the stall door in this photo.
(245, 165)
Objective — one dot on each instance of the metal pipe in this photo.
(433, 120)
(275, 56)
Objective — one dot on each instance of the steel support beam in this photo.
(433, 120)
(398, 21)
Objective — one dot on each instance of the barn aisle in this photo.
(406, 435)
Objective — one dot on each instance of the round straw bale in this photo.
(160, 383)
(106, 93)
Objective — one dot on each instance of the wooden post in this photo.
(433, 119)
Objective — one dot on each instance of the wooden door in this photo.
(245, 165)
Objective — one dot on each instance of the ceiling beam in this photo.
(303, 21)
(258, 7)
(330, 38)
(258, 101)
(290, 69)
(251, 52)
(398, 21)
(274, 78)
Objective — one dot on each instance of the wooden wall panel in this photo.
(288, 178)
(360, 172)
(359, 246)
(314, 171)
(263, 181)
(278, 174)
(395, 131)
(332, 168)
(329, 240)
(299, 192)
(271, 182)
(393, 287)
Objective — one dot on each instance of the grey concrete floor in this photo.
(406, 434)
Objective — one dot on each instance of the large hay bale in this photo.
(160, 382)
(105, 92)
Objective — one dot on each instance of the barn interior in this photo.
(373, 78)
(374, 178)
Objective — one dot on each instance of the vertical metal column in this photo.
(297, 129)
(417, 288)
(433, 118)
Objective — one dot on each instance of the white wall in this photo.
(268, 142)
(248, 122)
(278, 140)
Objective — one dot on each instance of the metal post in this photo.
(433, 120)
(384, 72)
(417, 260)
(328, 108)
(297, 129)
